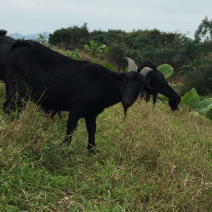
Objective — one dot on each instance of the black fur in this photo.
(146, 63)
(8, 44)
(20, 43)
(5, 47)
(157, 81)
(59, 83)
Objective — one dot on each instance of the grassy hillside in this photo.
(154, 160)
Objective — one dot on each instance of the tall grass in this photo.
(154, 160)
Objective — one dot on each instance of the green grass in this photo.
(154, 160)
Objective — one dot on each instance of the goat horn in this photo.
(145, 71)
(131, 64)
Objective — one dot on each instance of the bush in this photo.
(200, 79)
(71, 37)
(117, 52)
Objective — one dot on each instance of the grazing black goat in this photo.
(59, 83)
(156, 80)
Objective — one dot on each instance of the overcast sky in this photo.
(34, 16)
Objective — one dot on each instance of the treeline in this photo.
(183, 53)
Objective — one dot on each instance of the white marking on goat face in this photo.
(145, 71)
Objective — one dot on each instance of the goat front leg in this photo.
(154, 98)
(91, 128)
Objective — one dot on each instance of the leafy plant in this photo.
(74, 55)
(166, 69)
(43, 39)
(94, 49)
(188, 97)
(192, 99)
(188, 68)
(204, 106)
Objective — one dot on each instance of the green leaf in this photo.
(105, 49)
(166, 69)
(74, 55)
(196, 100)
(204, 106)
(102, 46)
(188, 97)
(87, 48)
(209, 114)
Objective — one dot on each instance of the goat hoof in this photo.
(92, 151)
(66, 142)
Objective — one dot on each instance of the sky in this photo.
(36, 16)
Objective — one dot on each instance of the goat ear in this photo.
(118, 76)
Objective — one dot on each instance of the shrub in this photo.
(117, 52)
(200, 79)
(71, 37)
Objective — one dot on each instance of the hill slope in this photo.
(154, 160)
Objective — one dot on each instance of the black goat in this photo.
(6, 44)
(59, 83)
(156, 80)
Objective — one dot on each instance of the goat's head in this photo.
(174, 102)
(132, 83)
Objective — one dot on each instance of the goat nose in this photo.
(127, 102)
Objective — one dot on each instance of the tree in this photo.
(71, 37)
(204, 30)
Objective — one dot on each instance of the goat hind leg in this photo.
(74, 116)
(147, 97)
